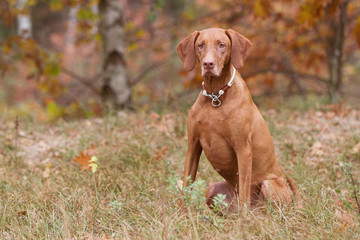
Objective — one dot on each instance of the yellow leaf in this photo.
(31, 2)
(6, 49)
(54, 110)
(93, 2)
(129, 26)
(93, 166)
(132, 46)
(93, 159)
(262, 8)
(140, 33)
(258, 9)
(56, 5)
(87, 158)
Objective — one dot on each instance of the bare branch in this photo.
(151, 67)
(80, 79)
(286, 72)
(147, 69)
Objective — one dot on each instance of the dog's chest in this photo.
(209, 117)
(219, 151)
(213, 129)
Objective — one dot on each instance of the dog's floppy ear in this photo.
(240, 48)
(186, 51)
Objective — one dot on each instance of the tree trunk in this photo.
(335, 54)
(71, 29)
(115, 85)
(24, 21)
(293, 77)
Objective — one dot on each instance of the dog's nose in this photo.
(208, 64)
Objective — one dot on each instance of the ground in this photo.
(133, 193)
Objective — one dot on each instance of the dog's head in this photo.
(213, 47)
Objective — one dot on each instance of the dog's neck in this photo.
(213, 84)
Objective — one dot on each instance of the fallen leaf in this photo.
(344, 216)
(93, 159)
(46, 173)
(167, 124)
(160, 153)
(317, 149)
(356, 149)
(93, 167)
(340, 229)
(330, 114)
(92, 164)
(83, 160)
(22, 213)
(154, 116)
(92, 150)
(87, 158)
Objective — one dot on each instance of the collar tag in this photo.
(215, 99)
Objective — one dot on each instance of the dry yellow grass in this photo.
(44, 195)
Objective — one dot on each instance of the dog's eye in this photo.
(200, 46)
(222, 45)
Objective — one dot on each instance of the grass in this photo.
(132, 195)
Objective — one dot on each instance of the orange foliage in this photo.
(357, 31)
(84, 157)
(292, 38)
(289, 37)
(83, 160)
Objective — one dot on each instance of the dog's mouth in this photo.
(210, 72)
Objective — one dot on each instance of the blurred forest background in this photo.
(70, 169)
(67, 58)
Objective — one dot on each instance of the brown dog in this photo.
(225, 123)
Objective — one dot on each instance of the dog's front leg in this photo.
(244, 160)
(191, 164)
(191, 160)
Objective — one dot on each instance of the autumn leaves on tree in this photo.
(123, 52)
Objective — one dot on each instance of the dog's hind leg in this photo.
(222, 188)
(276, 190)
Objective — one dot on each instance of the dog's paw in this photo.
(179, 184)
